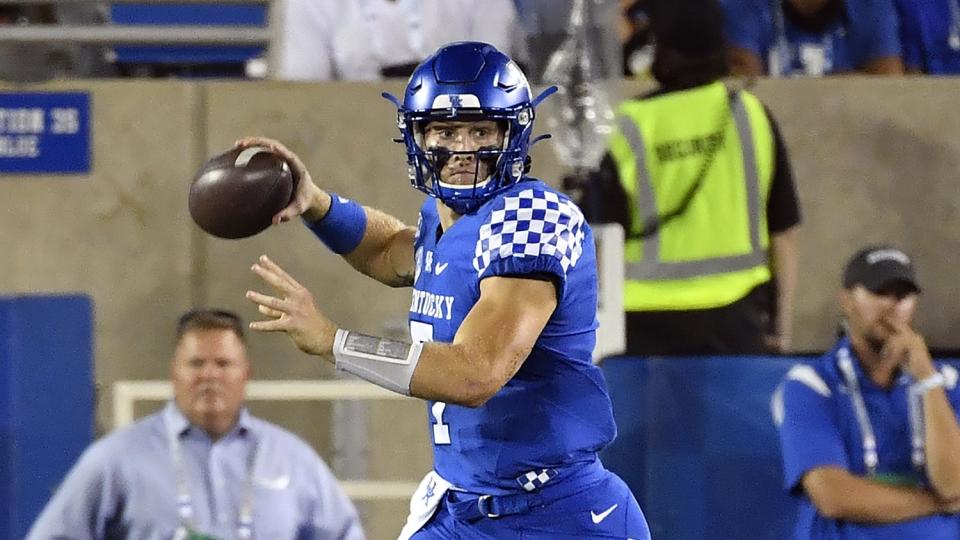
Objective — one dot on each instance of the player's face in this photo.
(872, 315)
(463, 169)
(210, 372)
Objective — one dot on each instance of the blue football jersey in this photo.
(555, 412)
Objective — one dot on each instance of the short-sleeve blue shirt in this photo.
(925, 32)
(868, 31)
(820, 429)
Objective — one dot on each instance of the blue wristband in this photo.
(342, 228)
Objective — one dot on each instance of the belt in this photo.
(470, 507)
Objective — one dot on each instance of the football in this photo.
(237, 193)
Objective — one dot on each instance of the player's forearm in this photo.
(458, 373)
(942, 444)
(383, 252)
(452, 373)
(491, 344)
(386, 251)
(489, 347)
(853, 498)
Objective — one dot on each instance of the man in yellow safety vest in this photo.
(698, 175)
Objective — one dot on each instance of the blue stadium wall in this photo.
(698, 447)
(46, 400)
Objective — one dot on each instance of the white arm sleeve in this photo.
(386, 363)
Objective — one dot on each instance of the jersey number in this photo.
(423, 333)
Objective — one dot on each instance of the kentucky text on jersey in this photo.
(432, 305)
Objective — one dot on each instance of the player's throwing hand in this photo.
(309, 200)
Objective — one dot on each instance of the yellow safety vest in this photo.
(715, 252)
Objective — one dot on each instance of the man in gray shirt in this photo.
(202, 467)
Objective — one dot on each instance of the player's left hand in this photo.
(292, 311)
(908, 349)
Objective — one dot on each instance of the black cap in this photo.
(877, 266)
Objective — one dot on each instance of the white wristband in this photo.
(926, 384)
(384, 362)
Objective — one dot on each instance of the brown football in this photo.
(237, 193)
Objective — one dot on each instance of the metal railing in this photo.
(64, 2)
(127, 393)
(138, 34)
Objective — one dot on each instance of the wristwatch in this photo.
(926, 384)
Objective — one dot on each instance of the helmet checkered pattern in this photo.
(531, 223)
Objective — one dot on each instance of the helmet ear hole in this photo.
(517, 169)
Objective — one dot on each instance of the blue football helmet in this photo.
(467, 81)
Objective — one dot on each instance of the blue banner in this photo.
(698, 447)
(44, 132)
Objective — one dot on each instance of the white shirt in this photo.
(353, 39)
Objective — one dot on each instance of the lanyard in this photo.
(867, 437)
(185, 501)
(414, 29)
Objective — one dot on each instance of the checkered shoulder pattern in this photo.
(531, 223)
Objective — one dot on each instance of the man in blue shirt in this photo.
(930, 34)
(869, 433)
(812, 37)
(203, 467)
(503, 314)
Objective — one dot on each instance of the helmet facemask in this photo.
(480, 165)
(505, 164)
